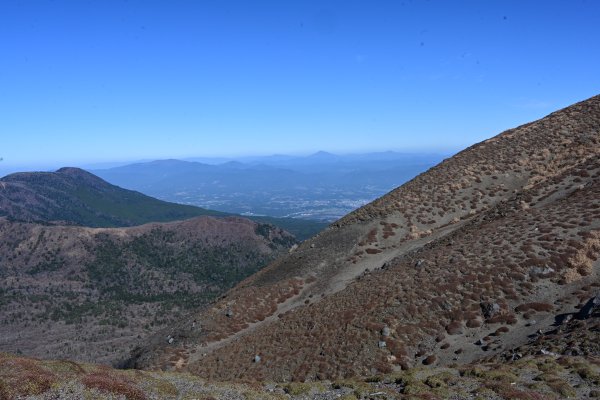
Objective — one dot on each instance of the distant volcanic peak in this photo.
(323, 155)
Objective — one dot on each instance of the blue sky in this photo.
(90, 81)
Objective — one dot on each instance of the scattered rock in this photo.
(385, 331)
(256, 359)
(589, 308)
(489, 309)
(229, 313)
(548, 353)
(541, 271)
(516, 356)
(381, 344)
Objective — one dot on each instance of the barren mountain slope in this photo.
(90, 293)
(504, 230)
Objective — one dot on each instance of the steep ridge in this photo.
(454, 265)
(89, 294)
(74, 196)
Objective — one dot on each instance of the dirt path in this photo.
(339, 281)
(287, 305)
(375, 261)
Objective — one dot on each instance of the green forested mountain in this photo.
(74, 196)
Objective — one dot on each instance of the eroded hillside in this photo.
(91, 293)
(467, 260)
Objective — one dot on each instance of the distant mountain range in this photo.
(322, 186)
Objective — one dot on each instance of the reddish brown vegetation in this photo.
(541, 307)
(504, 239)
(373, 251)
(454, 328)
(473, 323)
(429, 360)
(114, 385)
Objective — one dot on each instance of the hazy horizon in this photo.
(6, 168)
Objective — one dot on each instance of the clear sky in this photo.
(89, 81)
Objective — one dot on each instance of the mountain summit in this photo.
(74, 196)
(471, 259)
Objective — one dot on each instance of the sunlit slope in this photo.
(501, 234)
(90, 294)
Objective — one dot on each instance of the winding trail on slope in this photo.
(339, 281)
